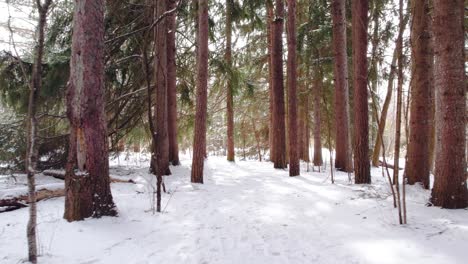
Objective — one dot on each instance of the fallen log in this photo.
(21, 201)
(61, 175)
(388, 165)
(13, 203)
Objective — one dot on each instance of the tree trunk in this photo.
(199, 142)
(306, 129)
(318, 160)
(294, 169)
(421, 123)
(229, 97)
(301, 122)
(31, 148)
(88, 192)
(279, 134)
(361, 111)
(383, 115)
(450, 189)
(161, 91)
(374, 66)
(171, 85)
(271, 133)
(399, 48)
(342, 141)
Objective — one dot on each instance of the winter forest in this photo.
(233, 131)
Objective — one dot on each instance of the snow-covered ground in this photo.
(245, 212)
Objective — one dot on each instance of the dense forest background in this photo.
(370, 83)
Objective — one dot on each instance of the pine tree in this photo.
(88, 192)
(361, 111)
(171, 84)
(450, 189)
(161, 91)
(229, 95)
(294, 168)
(342, 141)
(279, 134)
(417, 167)
(199, 141)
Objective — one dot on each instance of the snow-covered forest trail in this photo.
(245, 212)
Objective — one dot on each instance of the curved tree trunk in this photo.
(361, 109)
(171, 85)
(199, 139)
(31, 148)
(279, 134)
(342, 141)
(294, 169)
(450, 189)
(421, 119)
(383, 115)
(229, 97)
(88, 192)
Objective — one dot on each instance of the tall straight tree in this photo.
(229, 95)
(31, 148)
(361, 109)
(199, 139)
(342, 141)
(87, 192)
(161, 85)
(171, 84)
(396, 181)
(294, 169)
(270, 15)
(317, 88)
(421, 119)
(279, 130)
(450, 189)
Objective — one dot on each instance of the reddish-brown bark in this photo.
(171, 85)
(199, 141)
(279, 131)
(294, 169)
(450, 189)
(417, 167)
(88, 192)
(361, 109)
(161, 85)
(342, 140)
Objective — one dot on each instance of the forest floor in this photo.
(246, 212)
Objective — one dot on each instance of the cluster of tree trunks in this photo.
(342, 139)
(418, 165)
